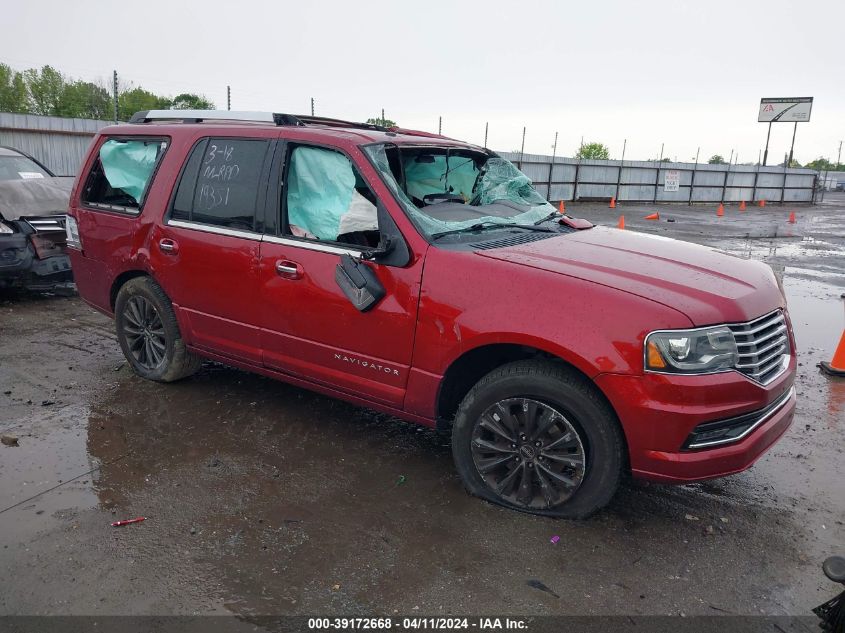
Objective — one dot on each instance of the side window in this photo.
(222, 183)
(121, 175)
(327, 199)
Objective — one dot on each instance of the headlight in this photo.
(5, 228)
(699, 351)
(72, 232)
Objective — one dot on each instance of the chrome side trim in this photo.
(218, 230)
(778, 405)
(312, 245)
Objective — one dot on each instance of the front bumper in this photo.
(20, 268)
(660, 412)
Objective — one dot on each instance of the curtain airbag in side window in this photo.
(322, 200)
(128, 165)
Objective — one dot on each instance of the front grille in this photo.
(513, 240)
(763, 347)
(47, 223)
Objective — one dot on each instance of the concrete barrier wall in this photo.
(644, 181)
(58, 143)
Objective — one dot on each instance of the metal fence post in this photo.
(692, 184)
(551, 169)
(656, 179)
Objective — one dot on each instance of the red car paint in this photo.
(588, 298)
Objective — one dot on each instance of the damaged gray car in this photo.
(33, 202)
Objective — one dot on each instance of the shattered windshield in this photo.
(450, 189)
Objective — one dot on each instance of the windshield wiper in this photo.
(551, 215)
(482, 226)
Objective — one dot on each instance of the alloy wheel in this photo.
(528, 453)
(144, 332)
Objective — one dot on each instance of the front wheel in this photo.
(537, 437)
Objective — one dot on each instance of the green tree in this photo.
(821, 164)
(12, 91)
(595, 151)
(45, 88)
(716, 159)
(189, 101)
(137, 99)
(85, 100)
(382, 122)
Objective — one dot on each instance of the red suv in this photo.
(426, 278)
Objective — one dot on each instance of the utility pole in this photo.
(661, 152)
(792, 147)
(522, 149)
(486, 125)
(114, 90)
(440, 125)
(766, 153)
(382, 117)
(228, 97)
(312, 107)
(551, 170)
(839, 157)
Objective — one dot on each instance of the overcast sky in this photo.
(686, 74)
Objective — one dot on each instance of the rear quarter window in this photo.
(122, 173)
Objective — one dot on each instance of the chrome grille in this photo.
(48, 223)
(763, 346)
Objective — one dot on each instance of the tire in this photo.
(149, 334)
(570, 470)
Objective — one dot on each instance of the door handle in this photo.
(288, 269)
(168, 246)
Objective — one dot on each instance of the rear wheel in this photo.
(149, 334)
(539, 438)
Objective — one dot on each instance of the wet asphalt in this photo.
(261, 498)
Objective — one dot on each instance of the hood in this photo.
(709, 287)
(39, 196)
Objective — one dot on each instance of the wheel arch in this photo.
(120, 280)
(472, 365)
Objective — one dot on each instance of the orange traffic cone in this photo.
(792, 218)
(613, 203)
(562, 207)
(720, 212)
(621, 224)
(836, 367)
(762, 203)
(742, 206)
(653, 216)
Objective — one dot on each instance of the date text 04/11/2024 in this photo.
(416, 623)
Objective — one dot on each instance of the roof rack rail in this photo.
(198, 116)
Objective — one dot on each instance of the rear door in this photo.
(206, 252)
(309, 328)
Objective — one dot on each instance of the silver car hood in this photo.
(39, 196)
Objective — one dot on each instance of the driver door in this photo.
(309, 328)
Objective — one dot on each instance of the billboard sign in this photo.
(785, 110)
(672, 180)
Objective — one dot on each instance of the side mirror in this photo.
(392, 249)
(359, 283)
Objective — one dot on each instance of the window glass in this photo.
(440, 199)
(221, 182)
(228, 182)
(20, 168)
(328, 200)
(122, 172)
(183, 201)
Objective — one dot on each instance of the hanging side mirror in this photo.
(358, 282)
